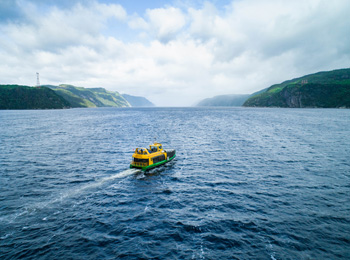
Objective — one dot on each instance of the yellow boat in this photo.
(145, 159)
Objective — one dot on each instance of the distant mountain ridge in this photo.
(136, 101)
(224, 100)
(329, 89)
(90, 97)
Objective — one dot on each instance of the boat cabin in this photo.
(144, 158)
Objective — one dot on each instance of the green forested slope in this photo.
(324, 89)
(25, 97)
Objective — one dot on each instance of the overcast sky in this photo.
(174, 53)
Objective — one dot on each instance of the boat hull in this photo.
(145, 168)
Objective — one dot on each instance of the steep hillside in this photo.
(136, 101)
(90, 97)
(224, 101)
(324, 89)
(25, 97)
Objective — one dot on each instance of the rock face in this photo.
(324, 90)
(292, 99)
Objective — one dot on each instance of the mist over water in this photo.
(246, 184)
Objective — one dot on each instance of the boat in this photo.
(146, 159)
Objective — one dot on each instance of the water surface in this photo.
(246, 184)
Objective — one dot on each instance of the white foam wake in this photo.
(30, 209)
(98, 183)
(120, 175)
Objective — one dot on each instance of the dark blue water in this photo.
(246, 184)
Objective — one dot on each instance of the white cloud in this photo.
(59, 28)
(184, 54)
(138, 23)
(110, 10)
(166, 22)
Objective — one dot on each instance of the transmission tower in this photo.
(37, 80)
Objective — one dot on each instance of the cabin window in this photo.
(140, 160)
(159, 158)
(153, 149)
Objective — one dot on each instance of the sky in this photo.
(173, 52)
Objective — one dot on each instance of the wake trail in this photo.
(29, 209)
(98, 183)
